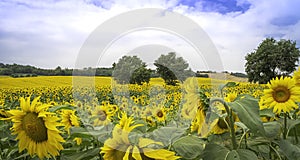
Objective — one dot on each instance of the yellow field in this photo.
(187, 121)
(47, 81)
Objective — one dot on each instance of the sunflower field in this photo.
(94, 118)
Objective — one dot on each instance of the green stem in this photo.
(231, 121)
(285, 126)
(274, 149)
(296, 136)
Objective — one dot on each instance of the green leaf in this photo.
(245, 154)
(232, 155)
(291, 124)
(167, 135)
(215, 152)
(267, 113)
(56, 108)
(189, 147)
(86, 155)
(272, 129)
(247, 110)
(85, 133)
(291, 151)
(228, 84)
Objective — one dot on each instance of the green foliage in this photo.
(271, 59)
(172, 68)
(131, 69)
(140, 75)
(247, 110)
(189, 147)
(16, 70)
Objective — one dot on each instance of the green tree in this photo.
(131, 69)
(172, 68)
(271, 59)
(140, 75)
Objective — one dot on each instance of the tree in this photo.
(271, 59)
(172, 68)
(140, 75)
(131, 69)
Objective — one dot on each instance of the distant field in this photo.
(42, 81)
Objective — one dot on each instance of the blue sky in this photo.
(51, 32)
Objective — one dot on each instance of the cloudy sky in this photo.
(50, 33)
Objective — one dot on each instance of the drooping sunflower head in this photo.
(191, 85)
(35, 128)
(69, 119)
(281, 95)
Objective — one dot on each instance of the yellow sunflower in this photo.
(281, 95)
(69, 119)
(160, 114)
(4, 114)
(220, 125)
(102, 115)
(36, 129)
(296, 77)
(230, 97)
(119, 147)
(198, 122)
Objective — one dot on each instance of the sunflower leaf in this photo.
(87, 154)
(247, 110)
(167, 135)
(272, 129)
(292, 123)
(215, 152)
(189, 147)
(289, 150)
(56, 108)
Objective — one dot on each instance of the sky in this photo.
(51, 33)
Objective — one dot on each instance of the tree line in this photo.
(27, 70)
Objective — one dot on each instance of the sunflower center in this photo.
(102, 115)
(222, 124)
(159, 114)
(34, 127)
(281, 94)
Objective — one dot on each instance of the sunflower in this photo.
(119, 146)
(296, 77)
(198, 122)
(102, 115)
(220, 125)
(4, 114)
(230, 97)
(69, 119)
(78, 140)
(36, 129)
(281, 95)
(160, 114)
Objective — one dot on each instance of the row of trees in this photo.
(16, 69)
(131, 69)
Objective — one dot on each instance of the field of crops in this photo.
(62, 117)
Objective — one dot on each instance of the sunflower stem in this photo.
(231, 122)
(285, 126)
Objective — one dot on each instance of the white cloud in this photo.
(50, 33)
